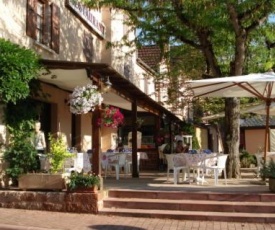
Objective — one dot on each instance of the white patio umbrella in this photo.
(261, 109)
(257, 109)
(259, 85)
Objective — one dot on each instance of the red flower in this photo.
(112, 117)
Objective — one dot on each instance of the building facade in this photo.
(71, 40)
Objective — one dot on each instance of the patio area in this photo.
(155, 180)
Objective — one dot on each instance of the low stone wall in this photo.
(51, 201)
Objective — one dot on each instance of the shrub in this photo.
(268, 170)
(58, 153)
(246, 159)
(21, 156)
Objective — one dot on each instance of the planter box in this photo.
(41, 181)
(92, 189)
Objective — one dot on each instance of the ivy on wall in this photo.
(18, 66)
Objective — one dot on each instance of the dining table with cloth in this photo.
(196, 162)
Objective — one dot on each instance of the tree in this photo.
(231, 37)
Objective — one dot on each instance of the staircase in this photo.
(204, 206)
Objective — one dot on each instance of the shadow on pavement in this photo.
(114, 227)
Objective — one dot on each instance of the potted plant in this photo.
(84, 99)
(58, 153)
(268, 171)
(83, 182)
(21, 157)
(55, 179)
(19, 153)
(111, 117)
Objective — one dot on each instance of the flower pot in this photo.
(272, 184)
(92, 189)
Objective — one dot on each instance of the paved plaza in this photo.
(16, 219)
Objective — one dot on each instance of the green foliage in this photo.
(58, 153)
(18, 66)
(268, 170)
(189, 129)
(20, 154)
(22, 115)
(83, 180)
(246, 159)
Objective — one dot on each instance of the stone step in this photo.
(182, 195)
(211, 206)
(190, 205)
(192, 215)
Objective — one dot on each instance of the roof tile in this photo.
(257, 121)
(151, 56)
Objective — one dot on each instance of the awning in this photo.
(67, 75)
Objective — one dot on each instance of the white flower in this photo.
(84, 99)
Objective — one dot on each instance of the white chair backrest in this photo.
(161, 148)
(160, 151)
(129, 157)
(211, 160)
(104, 160)
(122, 159)
(222, 161)
(170, 162)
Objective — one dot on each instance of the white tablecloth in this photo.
(82, 162)
(197, 159)
(108, 157)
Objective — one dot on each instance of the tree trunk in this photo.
(232, 138)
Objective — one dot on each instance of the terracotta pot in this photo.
(92, 189)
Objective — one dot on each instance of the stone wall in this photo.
(51, 201)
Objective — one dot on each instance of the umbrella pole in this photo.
(266, 130)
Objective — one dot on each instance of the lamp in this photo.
(106, 84)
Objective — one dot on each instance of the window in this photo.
(43, 23)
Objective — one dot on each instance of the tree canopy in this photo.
(210, 38)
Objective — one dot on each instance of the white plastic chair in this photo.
(161, 154)
(170, 163)
(129, 162)
(180, 165)
(221, 166)
(118, 163)
(210, 160)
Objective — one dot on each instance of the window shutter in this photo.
(47, 25)
(31, 19)
(55, 27)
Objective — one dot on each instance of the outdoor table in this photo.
(196, 162)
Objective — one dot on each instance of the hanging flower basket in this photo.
(111, 117)
(84, 99)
